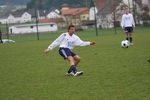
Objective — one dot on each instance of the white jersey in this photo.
(127, 20)
(67, 41)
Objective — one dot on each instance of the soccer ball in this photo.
(125, 44)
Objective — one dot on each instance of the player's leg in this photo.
(130, 35)
(76, 59)
(127, 36)
(66, 54)
(72, 65)
(73, 68)
(71, 60)
(131, 39)
(127, 33)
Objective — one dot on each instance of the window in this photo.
(31, 26)
(51, 25)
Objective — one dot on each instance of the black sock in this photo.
(72, 68)
(131, 39)
(127, 38)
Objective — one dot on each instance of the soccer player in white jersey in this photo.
(66, 42)
(127, 23)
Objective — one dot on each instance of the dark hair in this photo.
(126, 8)
(70, 27)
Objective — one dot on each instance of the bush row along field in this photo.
(110, 72)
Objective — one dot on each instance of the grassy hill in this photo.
(111, 72)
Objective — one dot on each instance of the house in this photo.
(16, 17)
(28, 16)
(43, 14)
(32, 28)
(93, 11)
(53, 14)
(74, 15)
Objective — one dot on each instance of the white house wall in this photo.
(11, 19)
(26, 17)
(3, 21)
(53, 14)
(92, 13)
(32, 29)
(47, 28)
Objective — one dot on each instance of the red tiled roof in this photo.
(73, 11)
(56, 20)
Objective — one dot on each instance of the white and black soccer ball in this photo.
(125, 44)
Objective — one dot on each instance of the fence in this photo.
(90, 32)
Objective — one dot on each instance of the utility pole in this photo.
(37, 30)
(1, 36)
(114, 13)
(7, 31)
(115, 22)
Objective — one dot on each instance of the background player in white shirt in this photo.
(66, 42)
(127, 23)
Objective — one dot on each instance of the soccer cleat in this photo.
(70, 74)
(78, 73)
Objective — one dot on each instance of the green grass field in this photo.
(110, 72)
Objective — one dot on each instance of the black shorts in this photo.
(66, 52)
(128, 29)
